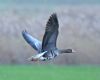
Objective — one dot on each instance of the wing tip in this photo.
(53, 15)
(52, 19)
(24, 31)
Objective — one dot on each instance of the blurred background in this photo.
(79, 29)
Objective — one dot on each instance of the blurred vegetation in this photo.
(79, 30)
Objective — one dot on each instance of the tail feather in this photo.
(38, 57)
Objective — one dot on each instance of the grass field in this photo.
(49, 72)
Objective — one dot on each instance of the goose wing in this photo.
(36, 44)
(51, 33)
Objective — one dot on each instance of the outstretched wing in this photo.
(36, 44)
(51, 33)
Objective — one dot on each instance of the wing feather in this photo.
(36, 44)
(51, 33)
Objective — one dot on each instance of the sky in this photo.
(50, 1)
(39, 3)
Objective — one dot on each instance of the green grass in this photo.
(41, 72)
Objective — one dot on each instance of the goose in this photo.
(46, 50)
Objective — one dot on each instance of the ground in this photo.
(49, 72)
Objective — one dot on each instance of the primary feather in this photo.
(36, 44)
(51, 33)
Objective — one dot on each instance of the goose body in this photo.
(46, 49)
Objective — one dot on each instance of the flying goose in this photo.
(46, 49)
